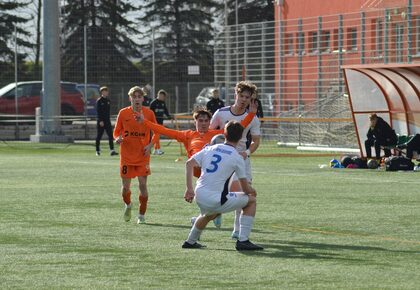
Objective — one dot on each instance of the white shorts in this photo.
(248, 171)
(210, 203)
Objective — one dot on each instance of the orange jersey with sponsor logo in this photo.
(193, 140)
(135, 136)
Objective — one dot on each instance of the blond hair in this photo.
(135, 89)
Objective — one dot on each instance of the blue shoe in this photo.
(218, 221)
(235, 235)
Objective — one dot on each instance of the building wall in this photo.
(310, 51)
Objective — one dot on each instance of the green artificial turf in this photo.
(61, 226)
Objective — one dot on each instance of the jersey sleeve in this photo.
(198, 157)
(240, 167)
(159, 129)
(255, 127)
(118, 126)
(215, 122)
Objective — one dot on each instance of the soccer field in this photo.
(62, 228)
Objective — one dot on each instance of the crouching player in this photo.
(218, 163)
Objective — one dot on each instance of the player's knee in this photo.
(252, 199)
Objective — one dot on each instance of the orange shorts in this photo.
(132, 171)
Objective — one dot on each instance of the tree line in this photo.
(119, 37)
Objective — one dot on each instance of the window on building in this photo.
(300, 43)
(313, 42)
(335, 40)
(418, 35)
(379, 36)
(289, 44)
(326, 41)
(352, 39)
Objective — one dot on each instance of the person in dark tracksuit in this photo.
(379, 134)
(103, 123)
(158, 106)
(215, 103)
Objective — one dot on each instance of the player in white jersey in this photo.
(218, 163)
(238, 111)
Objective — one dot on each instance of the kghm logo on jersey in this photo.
(134, 134)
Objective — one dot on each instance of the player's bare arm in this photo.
(189, 169)
(246, 187)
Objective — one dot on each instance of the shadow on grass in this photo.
(305, 250)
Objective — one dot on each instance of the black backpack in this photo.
(396, 163)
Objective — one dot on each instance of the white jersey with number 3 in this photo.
(218, 163)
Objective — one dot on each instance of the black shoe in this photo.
(247, 246)
(113, 153)
(196, 245)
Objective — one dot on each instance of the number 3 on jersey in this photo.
(216, 159)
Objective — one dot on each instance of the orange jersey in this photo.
(193, 140)
(135, 136)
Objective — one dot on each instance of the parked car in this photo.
(205, 95)
(29, 97)
(92, 94)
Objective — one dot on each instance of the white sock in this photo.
(237, 223)
(246, 227)
(128, 205)
(194, 235)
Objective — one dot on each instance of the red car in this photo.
(29, 97)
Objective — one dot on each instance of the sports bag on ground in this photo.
(396, 163)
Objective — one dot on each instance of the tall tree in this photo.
(9, 19)
(110, 45)
(183, 35)
(250, 11)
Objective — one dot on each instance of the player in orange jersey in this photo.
(136, 143)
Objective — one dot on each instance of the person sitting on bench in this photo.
(413, 145)
(379, 134)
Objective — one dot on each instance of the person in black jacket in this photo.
(379, 134)
(215, 103)
(103, 123)
(158, 106)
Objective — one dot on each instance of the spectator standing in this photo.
(103, 122)
(215, 103)
(158, 106)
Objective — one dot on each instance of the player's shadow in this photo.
(316, 251)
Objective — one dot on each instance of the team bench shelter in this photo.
(389, 90)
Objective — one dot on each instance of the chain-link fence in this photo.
(295, 63)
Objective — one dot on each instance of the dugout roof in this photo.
(391, 91)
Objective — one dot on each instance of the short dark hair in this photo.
(373, 116)
(201, 112)
(233, 131)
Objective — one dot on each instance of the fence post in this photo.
(409, 31)
(363, 37)
(319, 60)
(17, 134)
(300, 56)
(85, 73)
(386, 37)
(340, 52)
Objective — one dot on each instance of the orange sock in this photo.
(143, 204)
(127, 197)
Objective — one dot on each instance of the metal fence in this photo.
(295, 63)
